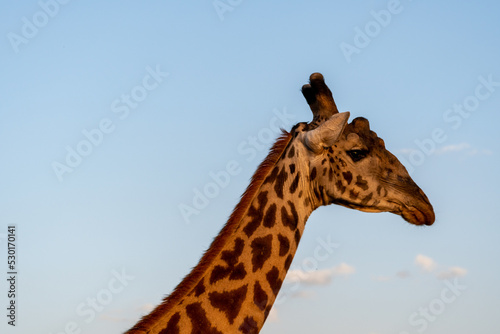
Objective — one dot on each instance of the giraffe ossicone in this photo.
(328, 160)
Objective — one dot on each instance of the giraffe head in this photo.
(349, 165)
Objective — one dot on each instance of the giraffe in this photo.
(328, 160)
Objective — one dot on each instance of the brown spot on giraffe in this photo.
(231, 258)
(229, 302)
(270, 216)
(238, 273)
(218, 273)
(199, 321)
(200, 289)
(295, 184)
(172, 325)
(363, 184)
(347, 177)
(260, 297)
(272, 177)
(280, 183)
(297, 236)
(291, 220)
(249, 326)
(273, 278)
(261, 251)
(312, 176)
(284, 245)
(256, 214)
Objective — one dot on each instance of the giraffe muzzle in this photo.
(420, 212)
(417, 216)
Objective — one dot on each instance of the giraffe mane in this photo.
(191, 279)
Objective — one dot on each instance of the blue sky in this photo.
(158, 97)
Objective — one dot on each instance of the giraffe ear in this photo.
(327, 133)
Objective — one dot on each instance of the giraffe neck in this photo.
(236, 282)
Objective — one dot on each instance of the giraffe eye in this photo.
(357, 155)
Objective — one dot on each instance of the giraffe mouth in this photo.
(422, 214)
(418, 216)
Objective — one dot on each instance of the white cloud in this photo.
(452, 272)
(429, 265)
(402, 274)
(468, 149)
(343, 269)
(297, 279)
(425, 263)
(453, 148)
(319, 277)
